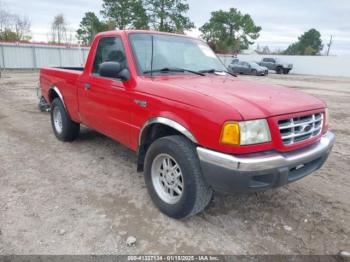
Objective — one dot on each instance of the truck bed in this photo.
(65, 79)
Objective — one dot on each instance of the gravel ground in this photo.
(87, 198)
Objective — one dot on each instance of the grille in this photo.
(298, 129)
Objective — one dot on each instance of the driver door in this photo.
(104, 103)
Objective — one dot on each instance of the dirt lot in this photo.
(86, 197)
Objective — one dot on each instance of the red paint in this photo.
(201, 104)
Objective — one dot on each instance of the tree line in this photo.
(160, 15)
(12, 26)
(227, 31)
(309, 43)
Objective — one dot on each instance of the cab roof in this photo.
(127, 32)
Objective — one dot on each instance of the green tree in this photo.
(127, 14)
(230, 31)
(168, 15)
(309, 43)
(59, 29)
(91, 25)
(13, 27)
(8, 35)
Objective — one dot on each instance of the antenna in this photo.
(152, 52)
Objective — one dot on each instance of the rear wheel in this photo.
(279, 70)
(174, 179)
(64, 128)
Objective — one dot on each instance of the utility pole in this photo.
(329, 45)
(2, 58)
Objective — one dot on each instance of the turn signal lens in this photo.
(230, 133)
(245, 133)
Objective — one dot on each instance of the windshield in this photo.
(173, 52)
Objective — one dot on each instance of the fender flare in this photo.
(57, 91)
(168, 122)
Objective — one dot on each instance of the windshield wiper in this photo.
(213, 71)
(169, 69)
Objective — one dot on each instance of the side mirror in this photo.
(124, 74)
(109, 69)
(114, 70)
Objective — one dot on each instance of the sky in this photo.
(282, 21)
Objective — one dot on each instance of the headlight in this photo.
(326, 116)
(245, 133)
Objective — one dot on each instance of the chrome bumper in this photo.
(268, 160)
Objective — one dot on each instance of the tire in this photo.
(286, 71)
(195, 194)
(279, 70)
(63, 127)
(254, 72)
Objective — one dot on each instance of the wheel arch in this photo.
(55, 92)
(155, 128)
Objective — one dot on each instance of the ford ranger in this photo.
(195, 127)
(277, 65)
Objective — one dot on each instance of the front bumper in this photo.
(262, 72)
(256, 172)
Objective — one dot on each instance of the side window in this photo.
(109, 49)
(265, 60)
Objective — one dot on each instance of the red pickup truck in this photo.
(195, 127)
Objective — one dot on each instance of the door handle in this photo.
(87, 86)
(140, 102)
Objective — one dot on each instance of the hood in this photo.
(254, 66)
(251, 99)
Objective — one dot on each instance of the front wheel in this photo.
(286, 71)
(174, 179)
